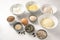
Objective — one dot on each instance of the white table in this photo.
(8, 33)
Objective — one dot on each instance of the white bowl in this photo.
(49, 16)
(17, 9)
(54, 9)
(32, 3)
(12, 21)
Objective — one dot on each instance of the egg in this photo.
(24, 21)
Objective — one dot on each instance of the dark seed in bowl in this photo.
(18, 32)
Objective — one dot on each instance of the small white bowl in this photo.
(49, 16)
(32, 3)
(12, 22)
(54, 9)
(17, 9)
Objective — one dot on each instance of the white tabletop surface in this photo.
(8, 33)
